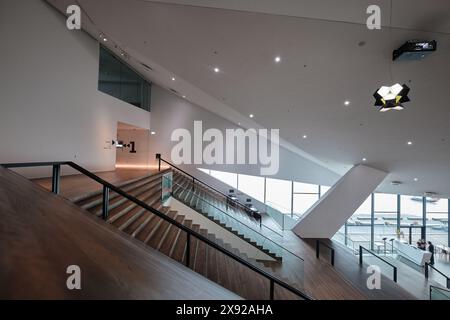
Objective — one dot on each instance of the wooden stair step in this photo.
(178, 248)
(160, 226)
(211, 265)
(122, 209)
(200, 260)
(135, 224)
(95, 199)
(144, 224)
(120, 201)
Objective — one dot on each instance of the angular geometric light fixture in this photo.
(391, 98)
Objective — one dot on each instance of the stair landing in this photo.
(78, 185)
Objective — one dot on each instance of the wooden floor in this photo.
(346, 281)
(41, 234)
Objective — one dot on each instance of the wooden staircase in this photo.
(168, 239)
(233, 218)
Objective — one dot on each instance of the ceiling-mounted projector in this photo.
(414, 50)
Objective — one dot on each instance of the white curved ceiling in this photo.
(323, 64)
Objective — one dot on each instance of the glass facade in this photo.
(120, 81)
(381, 216)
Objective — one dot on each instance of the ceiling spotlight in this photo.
(104, 39)
(216, 70)
(409, 143)
(277, 59)
(416, 179)
(184, 97)
(305, 136)
(391, 98)
(152, 133)
(251, 115)
(346, 102)
(173, 78)
(364, 159)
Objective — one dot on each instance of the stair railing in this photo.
(246, 229)
(394, 268)
(107, 187)
(228, 200)
(427, 271)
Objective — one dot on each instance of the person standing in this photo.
(431, 249)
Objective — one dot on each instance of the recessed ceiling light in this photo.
(104, 39)
(409, 143)
(184, 97)
(305, 136)
(152, 133)
(173, 78)
(277, 59)
(416, 179)
(251, 115)
(364, 159)
(346, 102)
(216, 70)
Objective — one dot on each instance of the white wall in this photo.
(338, 204)
(50, 108)
(170, 112)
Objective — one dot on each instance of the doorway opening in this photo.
(132, 147)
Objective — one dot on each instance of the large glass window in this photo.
(252, 185)
(359, 225)
(278, 194)
(385, 220)
(361, 228)
(411, 218)
(304, 196)
(225, 177)
(120, 81)
(437, 221)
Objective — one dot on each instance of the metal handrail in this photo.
(361, 248)
(238, 221)
(108, 186)
(318, 243)
(438, 289)
(428, 265)
(158, 156)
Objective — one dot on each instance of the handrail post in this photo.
(332, 257)
(317, 248)
(105, 205)
(448, 283)
(188, 249)
(193, 183)
(56, 177)
(426, 270)
(158, 156)
(360, 256)
(395, 274)
(272, 289)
